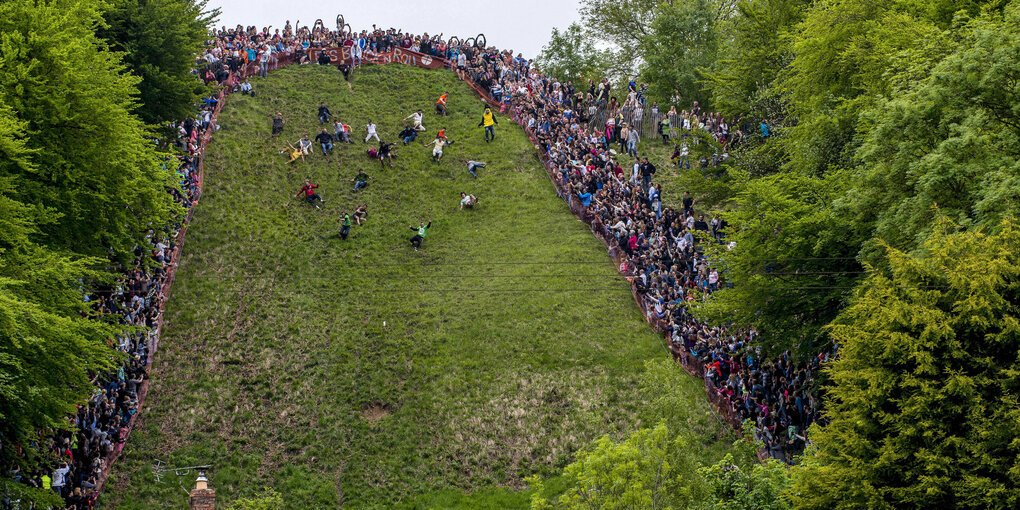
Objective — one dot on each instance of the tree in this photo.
(683, 42)
(949, 134)
(649, 469)
(268, 499)
(741, 482)
(923, 408)
(794, 260)
(160, 40)
(573, 55)
(755, 50)
(50, 342)
(90, 156)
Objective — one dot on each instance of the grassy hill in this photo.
(360, 372)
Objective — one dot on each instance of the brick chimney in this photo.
(202, 497)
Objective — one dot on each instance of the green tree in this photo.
(649, 469)
(755, 49)
(923, 408)
(268, 499)
(683, 42)
(741, 482)
(90, 156)
(50, 342)
(160, 40)
(794, 260)
(949, 134)
(574, 55)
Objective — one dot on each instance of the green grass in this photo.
(360, 372)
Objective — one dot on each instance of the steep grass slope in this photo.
(360, 372)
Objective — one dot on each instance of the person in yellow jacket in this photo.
(489, 121)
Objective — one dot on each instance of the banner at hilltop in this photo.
(400, 55)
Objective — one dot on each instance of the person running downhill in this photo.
(421, 230)
(489, 121)
(372, 133)
(310, 195)
(441, 104)
(345, 225)
(437, 151)
(278, 123)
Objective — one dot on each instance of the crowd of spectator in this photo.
(577, 129)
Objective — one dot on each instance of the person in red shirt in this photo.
(310, 195)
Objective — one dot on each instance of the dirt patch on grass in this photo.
(374, 413)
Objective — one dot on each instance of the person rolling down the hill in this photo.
(294, 152)
(421, 230)
(324, 113)
(441, 104)
(437, 150)
(310, 195)
(408, 134)
(361, 214)
(278, 123)
(305, 144)
(370, 127)
(416, 120)
(474, 165)
(325, 140)
(341, 132)
(385, 152)
(468, 201)
(345, 225)
(489, 122)
(360, 180)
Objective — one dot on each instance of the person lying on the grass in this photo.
(341, 132)
(421, 229)
(466, 200)
(310, 195)
(324, 113)
(325, 140)
(408, 134)
(361, 214)
(305, 143)
(437, 151)
(385, 152)
(360, 180)
(474, 165)
(295, 153)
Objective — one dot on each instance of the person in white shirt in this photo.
(371, 132)
(466, 200)
(416, 120)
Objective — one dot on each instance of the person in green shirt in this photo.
(360, 180)
(664, 129)
(419, 236)
(345, 225)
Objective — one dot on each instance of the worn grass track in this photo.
(362, 373)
